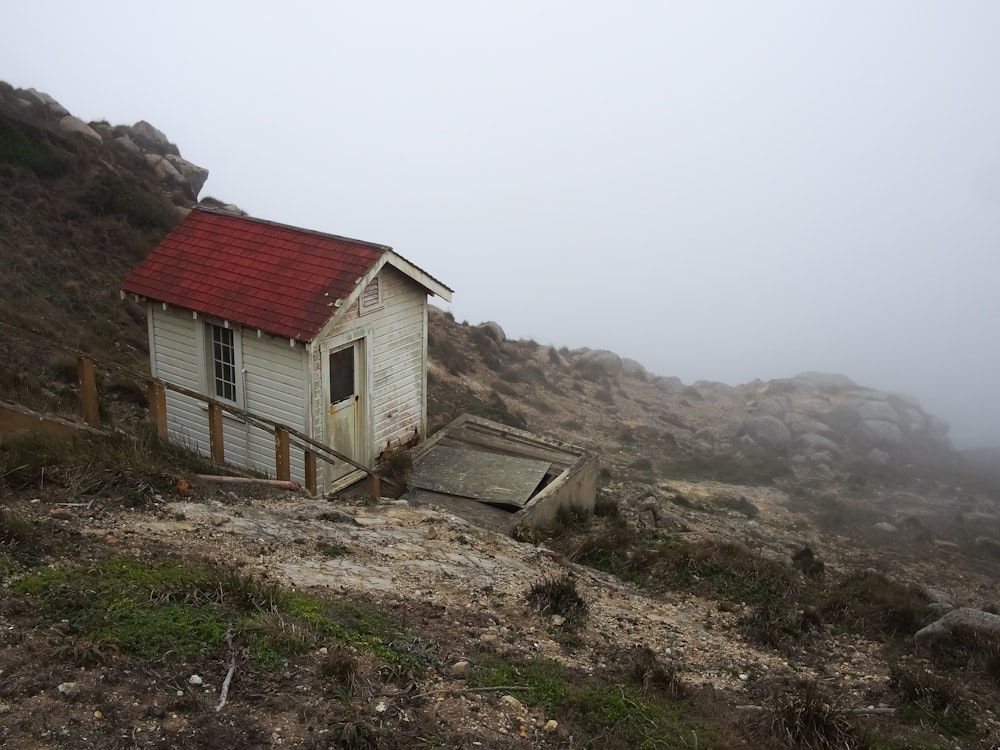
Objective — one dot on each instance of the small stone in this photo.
(557, 620)
(381, 707)
(98, 715)
(4, 708)
(195, 679)
(460, 668)
(489, 638)
(324, 650)
(744, 676)
(61, 514)
(513, 702)
(550, 726)
(69, 688)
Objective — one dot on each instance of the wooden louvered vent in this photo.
(371, 297)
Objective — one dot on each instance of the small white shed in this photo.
(324, 334)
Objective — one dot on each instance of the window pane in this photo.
(224, 363)
(341, 375)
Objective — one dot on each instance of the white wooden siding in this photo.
(270, 383)
(274, 388)
(396, 363)
(178, 360)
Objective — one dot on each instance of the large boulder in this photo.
(599, 363)
(48, 102)
(671, 385)
(769, 432)
(800, 424)
(813, 442)
(880, 432)
(492, 329)
(879, 410)
(964, 622)
(720, 393)
(772, 406)
(826, 381)
(72, 124)
(164, 169)
(151, 139)
(634, 370)
(194, 176)
(128, 144)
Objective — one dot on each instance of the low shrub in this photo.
(444, 351)
(112, 194)
(25, 146)
(870, 602)
(397, 466)
(653, 676)
(805, 719)
(806, 561)
(931, 699)
(558, 596)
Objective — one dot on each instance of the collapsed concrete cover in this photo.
(500, 477)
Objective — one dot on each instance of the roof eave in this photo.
(423, 278)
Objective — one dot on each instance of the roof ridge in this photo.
(289, 227)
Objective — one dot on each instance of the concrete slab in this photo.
(502, 478)
(490, 477)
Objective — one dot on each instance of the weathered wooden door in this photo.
(345, 431)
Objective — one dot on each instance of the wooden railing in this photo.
(285, 437)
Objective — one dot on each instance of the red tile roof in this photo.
(277, 278)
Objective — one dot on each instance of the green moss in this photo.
(356, 624)
(725, 570)
(955, 723)
(162, 611)
(617, 714)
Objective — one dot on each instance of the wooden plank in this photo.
(489, 477)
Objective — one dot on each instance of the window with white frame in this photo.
(222, 360)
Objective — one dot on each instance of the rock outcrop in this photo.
(598, 363)
(114, 143)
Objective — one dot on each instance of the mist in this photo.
(722, 191)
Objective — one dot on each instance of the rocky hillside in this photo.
(79, 204)
(812, 426)
(800, 563)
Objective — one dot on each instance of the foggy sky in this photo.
(722, 191)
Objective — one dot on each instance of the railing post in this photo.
(88, 392)
(282, 460)
(311, 472)
(374, 486)
(156, 395)
(216, 441)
